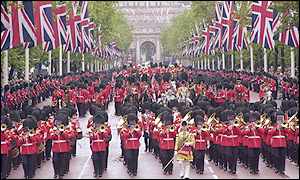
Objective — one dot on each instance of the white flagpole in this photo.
(60, 60)
(26, 64)
(213, 64)
(50, 64)
(5, 68)
(208, 63)
(251, 58)
(202, 63)
(265, 60)
(68, 62)
(232, 66)
(223, 61)
(241, 61)
(198, 64)
(219, 63)
(82, 63)
(205, 65)
(292, 63)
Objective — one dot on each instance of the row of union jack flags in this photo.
(225, 34)
(33, 23)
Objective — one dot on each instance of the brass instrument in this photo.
(267, 122)
(171, 128)
(239, 120)
(204, 127)
(292, 121)
(101, 128)
(61, 127)
(3, 127)
(123, 122)
(158, 119)
(31, 132)
(187, 119)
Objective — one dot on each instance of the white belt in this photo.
(198, 140)
(278, 137)
(99, 140)
(232, 136)
(132, 138)
(59, 141)
(254, 137)
(29, 144)
(168, 139)
(3, 142)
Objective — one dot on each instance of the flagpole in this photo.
(198, 64)
(265, 60)
(50, 64)
(251, 59)
(213, 63)
(82, 63)
(201, 63)
(223, 61)
(5, 68)
(208, 63)
(241, 61)
(26, 64)
(292, 63)
(60, 60)
(68, 61)
(232, 59)
(205, 61)
(219, 63)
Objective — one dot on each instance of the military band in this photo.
(183, 115)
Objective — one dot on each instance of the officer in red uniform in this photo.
(8, 141)
(147, 118)
(278, 145)
(60, 144)
(99, 135)
(119, 97)
(49, 123)
(81, 103)
(166, 141)
(201, 137)
(29, 146)
(131, 136)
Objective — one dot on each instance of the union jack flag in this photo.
(68, 46)
(92, 27)
(9, 26)
(239, 35)
(61, 13)
(74, 23)
(290, 37)
(206, 36)
(85, 37)
(227, 22)
(27, 23)
(262, 19)
(45, 26)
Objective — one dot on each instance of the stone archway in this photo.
(148, 51)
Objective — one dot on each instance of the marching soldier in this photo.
(185, 142)
(131, 136)
(201, 136)
(167, 141)
(99, 138)
(60, 144)
(119, 97)
(29, 146)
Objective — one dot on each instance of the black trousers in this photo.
(4, 166)
(156, 148)
(99, 162)
(199, 159)
(150, 144)
(132, 160)
(244, 155)
(210, 151)
(166, 156)
(59, 163)
(231, 155)
(106, 157)
(29, 165)
(279, 158)
(253, 158)
(289, 149)
(73, 151)
(81, 109)
(118, 108)
(48, 148)
(16, 161)
(146, 140)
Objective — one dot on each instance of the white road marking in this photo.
(206, 162)
(215, 176)
(84, 167)
(210, 169)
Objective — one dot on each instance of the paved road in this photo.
(81, 166)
